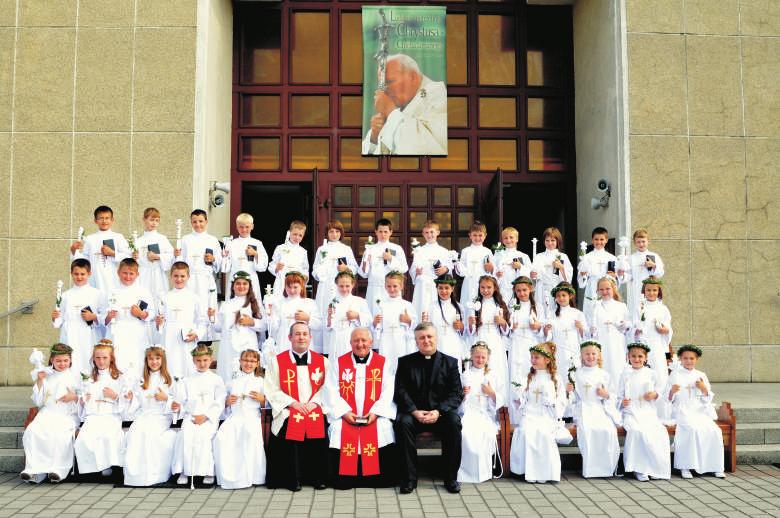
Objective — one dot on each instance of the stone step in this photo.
(757, 415)
(11, 460)
(758, 454)
(758, 433)
(11, 437)
(12, 417)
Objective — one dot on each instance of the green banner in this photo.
(404, 80)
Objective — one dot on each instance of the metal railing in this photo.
(25, 308)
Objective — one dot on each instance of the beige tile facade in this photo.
(704, 149)
(96, 106)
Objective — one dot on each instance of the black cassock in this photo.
(291, 462)
(431, 383)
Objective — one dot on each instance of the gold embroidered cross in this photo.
(587, 386)
(369, 450)
(314, 415)
(537, 392)
(348, 449)
(298, 418)
(290, 379)
(374, 379)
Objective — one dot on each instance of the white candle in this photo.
(60, 284)
(178, 234)
(533, 248)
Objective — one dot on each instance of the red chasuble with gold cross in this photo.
(361, 436)
(299, 425)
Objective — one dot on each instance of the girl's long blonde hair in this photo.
(613, 285)
(156, 351)
(552, 367)
(113, 370)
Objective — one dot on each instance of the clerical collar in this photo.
(428, 356)
(363, 360)
(300, 359)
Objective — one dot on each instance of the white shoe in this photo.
(182, 480)
(530, 481)
(641, 477)
(207, 481)
(686, 473)
(107, 472)
(719, 474)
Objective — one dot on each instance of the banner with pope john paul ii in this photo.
(404, 80)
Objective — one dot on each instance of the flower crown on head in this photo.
(541, 350)
(590, 343)
(523, 280)
(638, 345)
(653, 280)
(201, 351)
(690, 347)
(564, 286)
(61, 349)
(105, 342)
(446, 279)
(480, 345)
(241, 275)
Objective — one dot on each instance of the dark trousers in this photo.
(291, 462)
(447, 427)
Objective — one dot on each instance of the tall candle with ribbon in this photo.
(80, 235)
(59, 294)
(533, 248)
(178, 234)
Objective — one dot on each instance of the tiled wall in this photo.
(96, 106)
(704, 151)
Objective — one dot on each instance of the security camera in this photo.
(604, 193)
(603, 185)
(218, 200)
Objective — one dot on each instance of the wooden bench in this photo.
(726, 422)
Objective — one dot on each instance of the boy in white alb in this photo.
(200, 398)
(593, 266)
(76, 316)
(181, 320)
(290, 256)
(246, 254)
(104, 250)
(642, 265)
(475, 261)
(394, 321)
(381, 258)
(511, 263)
(430, 261)
(201, 251)
(154, 254)
(130, 307)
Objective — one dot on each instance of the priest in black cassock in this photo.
(427, 395)
(360, 396)
(297, 446)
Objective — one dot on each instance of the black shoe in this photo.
(407, 487)
(295, 487)
(318, 485)
(452, 486)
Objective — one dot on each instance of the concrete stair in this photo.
(11, 430)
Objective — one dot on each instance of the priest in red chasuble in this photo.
(360, 395)
(297, 446)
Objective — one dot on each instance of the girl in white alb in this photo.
(595, 413)
(550, 268)
(698, 442)
(394, 321)
(566, 326)
(101, 441)
(653, 326)
(525, 328)
(285, 311)
(239, 454)
(239, 321)
(611, 321)
(448, 317)
(48, 440)
(483, 397)
(540, 401)
(489, 322)
(646, 450)
(343, 314)
(149, 442)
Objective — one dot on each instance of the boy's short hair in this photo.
(396, 275)
(510, 231)
(640, 232)
(199, 212)
(151, 212)
(180, 265)
(128, 262)
(334, 225)
(431, 224)
(81, 263)
(297, 224)
(103, 209)
(600, 231)
(478, 226)
(554, 233)
(245, 219)
(383, 222)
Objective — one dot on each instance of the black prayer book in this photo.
(253, 247)
(154, 248)
(611, 266)
(89, 322)
(110, 244)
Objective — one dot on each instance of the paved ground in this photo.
(753, 491)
